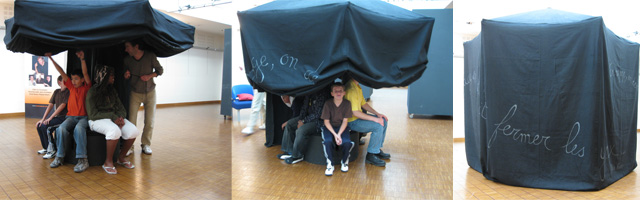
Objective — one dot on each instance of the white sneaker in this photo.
(129, 152)
(42, 151)
(329, 171)
(146, 150)
(49, 155)
(262, 127)
(248, 130)
(344, 167)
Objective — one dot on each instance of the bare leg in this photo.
(123, 152)
(111, 147)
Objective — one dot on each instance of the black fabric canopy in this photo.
(40, 26)
(297, 47)
(551, 101)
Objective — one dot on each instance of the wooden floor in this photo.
(191, 160)
(470, 184)
(420, 165)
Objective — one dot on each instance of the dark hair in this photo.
(77, 72)
(336, 84)
(59, 78)
(138, 42)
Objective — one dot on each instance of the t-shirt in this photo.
(147, 64)
(58, 98)
(77, 98)
(354, 95)
(335, 114)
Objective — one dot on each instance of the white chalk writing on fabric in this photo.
(312, 75)
(623, 78)
(286, 59)
(256, 74)
(522, 137)
(579, 152)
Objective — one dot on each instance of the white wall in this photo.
(192, 76)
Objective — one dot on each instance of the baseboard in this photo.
(7, 115)
(458, 140)
(183, 104)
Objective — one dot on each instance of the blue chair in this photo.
(237, 104)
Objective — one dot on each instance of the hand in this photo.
(120, 122)
(383, 116)
(38, 123)
(146, 77)
(338, 139)
(80, 54)
(283, 125)
(300, 123)
(380, 121)
(127, 74)
(46, 121)
(48, 54)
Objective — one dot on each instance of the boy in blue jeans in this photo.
(76, 122)
(335, 114)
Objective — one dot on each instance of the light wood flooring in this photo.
(470, 184)
(420, 166)
(191, 160)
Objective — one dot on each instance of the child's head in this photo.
(77, 79)
(41, 60)
(60, 83)
(337, 90)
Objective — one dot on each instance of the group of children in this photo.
(81, 105)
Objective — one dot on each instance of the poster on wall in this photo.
(39, 87)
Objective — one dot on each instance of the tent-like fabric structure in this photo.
(551, 101)
(41, 26)
(297, 47)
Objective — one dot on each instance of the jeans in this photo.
(79, 126)
(42, 130)
(378, 133)
(149, 101)
(329, 144)
(289, 136)
(301, 136)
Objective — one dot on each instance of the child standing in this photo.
(335, 114)
(59, 100)
(78, 84)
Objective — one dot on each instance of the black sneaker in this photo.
(383, 155)
(293, 160)
(374, 160)
(283, 156)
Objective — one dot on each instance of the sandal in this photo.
(110, 170)
(127, 164)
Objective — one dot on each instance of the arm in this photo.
(55, 113)
(157, 68)
(85, 72)
(46, 112)
(368, 108)
(343, 126)
(64, 76)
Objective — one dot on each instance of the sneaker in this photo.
(82, 165)
(57, 162)
(383, 155)
(374, 160)
(344, 167)
(49, 155)
(293, 160)
(146, 149)
(42, 151)
(329, 171)
(262, 127)
(248, 130)
(283, 156)
(129, 152)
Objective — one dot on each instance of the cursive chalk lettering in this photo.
(574, 150)
(516, 134)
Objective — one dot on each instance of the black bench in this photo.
(315, 150)
(96, 149)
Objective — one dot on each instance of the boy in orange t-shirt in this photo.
(76, 121)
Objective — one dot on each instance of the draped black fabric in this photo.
(298, 47)
(41, 26)
(551, 101)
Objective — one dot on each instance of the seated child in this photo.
(75, 123)
(59, 100)
(107, 116)
(335, 114)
